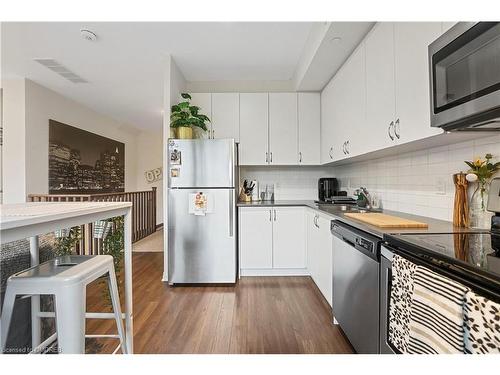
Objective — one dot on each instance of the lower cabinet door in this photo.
(324, 248)
(289, 238)
(256, 238)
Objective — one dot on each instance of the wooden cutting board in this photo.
(385, 221)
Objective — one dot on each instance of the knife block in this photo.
(243, 197)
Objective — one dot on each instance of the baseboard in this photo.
(275, 272)
(159, 226)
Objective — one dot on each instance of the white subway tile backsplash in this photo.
(418, 182)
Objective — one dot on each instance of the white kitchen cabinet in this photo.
(226, 115)
(253, 149)
(319, 253)
(289, 238)
(325, 264)
(283, 129)
(272, 241)
(352, 139)
(329, 112)
(256, 238)
(412, 116)
(380, 103)
(309, 122)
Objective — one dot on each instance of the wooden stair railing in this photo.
(143, 214)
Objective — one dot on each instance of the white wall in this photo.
(26, 148)
(150, 156)
(174, 85)
(14, 145)
(417, 182)
(240, 86)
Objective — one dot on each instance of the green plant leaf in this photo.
(203, 117)
(185, 95)
(175, 108)
(183, 105)
(470, 164)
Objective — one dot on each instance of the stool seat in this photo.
(66, 269)
(66, 278)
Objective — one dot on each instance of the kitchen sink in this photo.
(343, 208)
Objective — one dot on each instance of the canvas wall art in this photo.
(81, 162)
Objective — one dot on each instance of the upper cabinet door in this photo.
(253, 148)
(352, 107)
(327, 121)
(283, 129)
(411, 39)
(226, 115)
(309, 123)
(380, 106)
(204, 101)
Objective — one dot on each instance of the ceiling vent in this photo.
(61, 70)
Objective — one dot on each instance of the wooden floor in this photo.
(258, 315)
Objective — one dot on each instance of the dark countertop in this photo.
(335, 212)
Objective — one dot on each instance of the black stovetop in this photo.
(480, 251)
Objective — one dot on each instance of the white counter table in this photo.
(28, 220)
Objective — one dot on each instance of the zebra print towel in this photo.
(436, 318)
(400, 302)
(482, 325)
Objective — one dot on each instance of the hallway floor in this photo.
(258, 315)
(151, 243)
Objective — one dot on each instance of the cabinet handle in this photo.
(274, 215)
(271, 157)
(270, 215)
(396, 129)
(330, 152)
(317, 218)
(314, 220)
(347, 146)
(267, 158)
(391, 125)
(213, 134)
(300, 157)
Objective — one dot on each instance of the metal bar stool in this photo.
(66, 278)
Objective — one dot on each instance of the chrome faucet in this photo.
(365, 195)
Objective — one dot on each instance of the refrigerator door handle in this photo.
(231, 212)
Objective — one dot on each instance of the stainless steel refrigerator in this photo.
(202, 211)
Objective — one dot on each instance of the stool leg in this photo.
(70, 319)
(8, 308)
(115, 300)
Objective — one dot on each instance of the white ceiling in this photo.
(124, 67)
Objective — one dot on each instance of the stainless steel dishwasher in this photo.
(356, 257)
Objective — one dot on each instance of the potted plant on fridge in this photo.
(184, 117)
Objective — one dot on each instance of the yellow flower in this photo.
(478, 162)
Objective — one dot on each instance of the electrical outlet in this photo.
(441, 186)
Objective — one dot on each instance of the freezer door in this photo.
(201, 163)
(202, 248)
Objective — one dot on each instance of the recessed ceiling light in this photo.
(88, 35)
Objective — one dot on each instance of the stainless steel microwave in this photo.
(464, 66)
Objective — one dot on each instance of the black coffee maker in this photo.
(327, 188)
